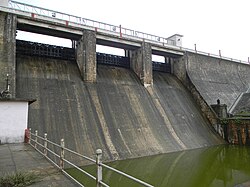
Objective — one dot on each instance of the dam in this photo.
(135, 110)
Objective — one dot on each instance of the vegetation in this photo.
(18, 179)
(238, 121)
(224, 121)
(244, 113)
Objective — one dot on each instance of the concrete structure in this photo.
(14, 120)
(7, 50)
(212, 78)
(87, 35)
(216, 78)
(220, 110)
(116, 113)
(176, 39)
(141, 63)
(86, 56)
(242, 105)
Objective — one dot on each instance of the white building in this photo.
(13, 120)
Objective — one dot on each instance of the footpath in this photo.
(22, 157)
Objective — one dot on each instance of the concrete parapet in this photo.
(8, 24)
(86, 56)
(141, 63)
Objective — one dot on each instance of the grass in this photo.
(18, 179)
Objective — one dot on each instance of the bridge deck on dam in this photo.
(116, 114)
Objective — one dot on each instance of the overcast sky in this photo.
(212, 25)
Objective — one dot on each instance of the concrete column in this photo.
(127, 53)
(8, 24)
(166, 59)
(86, 56)
(172, 62)
(141, 63)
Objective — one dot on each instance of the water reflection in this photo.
(215, 166)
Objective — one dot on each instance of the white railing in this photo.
(58, 157)
(216, 56)
(117, 30)
(88, 22)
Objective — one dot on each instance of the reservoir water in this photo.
(218, 166)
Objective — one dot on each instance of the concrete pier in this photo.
(141, 63)
(86, 56)
(8, 51)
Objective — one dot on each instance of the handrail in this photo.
(88, 22)
(107, 27)
(35, 140)
(214, 55)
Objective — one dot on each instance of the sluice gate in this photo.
(66, 53)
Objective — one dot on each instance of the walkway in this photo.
(22, 157)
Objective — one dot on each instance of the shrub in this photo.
(18, 179)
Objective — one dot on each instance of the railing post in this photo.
(36, 134)
(120, 26)
(45, 144)
(29, 135)
(99, 167)
(62, 155)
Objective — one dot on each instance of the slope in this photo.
(216, 79)
(116, 114)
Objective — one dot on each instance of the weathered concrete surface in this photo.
(86, 56)
(243, 105)
(8, 51)
(216, 78)
(180, 71)
(184, 115)
(141, 63)
(116, 114)
(22, 157)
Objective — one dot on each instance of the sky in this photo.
(212, 25)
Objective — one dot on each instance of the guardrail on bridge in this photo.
(88, 22)
(21, 8)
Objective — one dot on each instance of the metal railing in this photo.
(17, 7)
(88, 22)
(215, 55)
(42, 145)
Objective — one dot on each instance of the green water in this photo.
(217, 166)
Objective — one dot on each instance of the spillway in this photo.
(116, 114)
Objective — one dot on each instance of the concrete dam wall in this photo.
(216, 79)
(116, 114)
